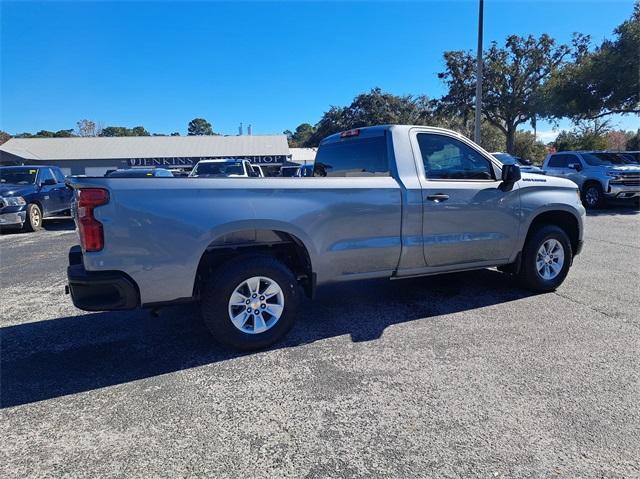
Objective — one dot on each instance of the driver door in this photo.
(467, 217)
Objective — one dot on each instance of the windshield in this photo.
(218, 169)
(603, 159)
(18, 176)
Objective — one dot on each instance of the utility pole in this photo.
(479, 74)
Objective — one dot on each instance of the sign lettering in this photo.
(191, 161)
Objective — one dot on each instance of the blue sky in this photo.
(270, 64)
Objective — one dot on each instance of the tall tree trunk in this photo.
(511, 139)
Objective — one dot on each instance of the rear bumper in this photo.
(99, 290)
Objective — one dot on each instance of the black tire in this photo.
(33, 221)
(217, 290)
(592, 195)
(529, 276)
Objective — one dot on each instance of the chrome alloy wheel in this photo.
(550, 259)
(256, 305)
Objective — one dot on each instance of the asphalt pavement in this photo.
(462, 375)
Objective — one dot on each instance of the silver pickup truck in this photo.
(384, 202)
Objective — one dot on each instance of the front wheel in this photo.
(546, 259)
(250, 302)
(33, 221)
(593, 195)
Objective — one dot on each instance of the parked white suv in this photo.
(600, 175)
(223, 168)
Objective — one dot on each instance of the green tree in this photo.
(175, 133)
(373, 108)
(45, 134)
(633, 143)
(124, 131)
(599, 83)
(587, 135)
(114, 131)
(528, 148)
(566, 141)
(492, 138)
(139, 131)
(4, 137)
(199, 126)
(512, 77)
(301, 136)
(63, 133)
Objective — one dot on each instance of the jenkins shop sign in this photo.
(191, 161)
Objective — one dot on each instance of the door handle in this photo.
(438, 197)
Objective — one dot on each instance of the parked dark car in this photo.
(139, 173)
(30, 194)
(289, 171)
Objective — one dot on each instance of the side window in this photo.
(45, 174)
(555, 161)
(448, 158)
(57, 173)
(353, 157)
(572, 160)
(562, 161)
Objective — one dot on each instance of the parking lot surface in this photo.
(463, 375)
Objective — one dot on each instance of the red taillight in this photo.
(91, 234)
(348, 133)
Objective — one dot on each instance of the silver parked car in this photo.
(599, 175)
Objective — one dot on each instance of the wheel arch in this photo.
(281, 243)
(592, 181)
(568, 221)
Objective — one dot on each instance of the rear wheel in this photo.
(546, 259)
(250, 302)
(592, 195)
(33, 221)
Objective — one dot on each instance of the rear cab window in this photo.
(353, 156)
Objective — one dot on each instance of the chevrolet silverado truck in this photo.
(384, 202)
(600, 175)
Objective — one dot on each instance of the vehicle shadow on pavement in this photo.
(57, 357)
(53, 224)
(617, 208)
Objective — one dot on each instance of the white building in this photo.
(94, 156)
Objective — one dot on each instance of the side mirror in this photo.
(575, 166)
(49, 182)
(510, 174)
